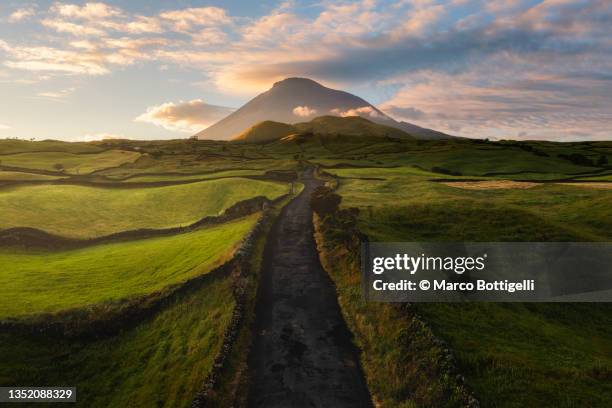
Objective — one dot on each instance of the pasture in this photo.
(49, 282)
(85, 212)
(513, 355)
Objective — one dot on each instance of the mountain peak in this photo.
(292, 81)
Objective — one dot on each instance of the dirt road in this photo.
(303, 355)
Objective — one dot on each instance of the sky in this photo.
(499, 69)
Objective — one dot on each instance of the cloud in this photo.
(89, 11)
(62, 26)
(21, 14)
(561, 107)
(51, 59)
(407, 112)
(190, 116)
(56, 94)
(186, 19)
(364, 111)
(304, 111)
(4, 127)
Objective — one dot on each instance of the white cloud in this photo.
(364, 111)
(4, 127)
(88, 11)
(62, 26)
(56, 94)
(186, 19)
(190, 116)
(304, 111)
(21, 14)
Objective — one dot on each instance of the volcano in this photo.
(295, 100)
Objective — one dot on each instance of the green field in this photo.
(85, 212)
(110, 272)
(513, 355)
(21, 176)
(159, 363)
(405, 206)
(11, 146)
(201, 176)
(70, 163)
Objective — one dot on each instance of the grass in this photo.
(70, 163)
(20, 176)
(184, 177)
(405, 206)
(513, 355)
(11, 146)
(85, 212)
(460, 157)
(159, 363)
(49, 282)
(403, 364)
(531, 355)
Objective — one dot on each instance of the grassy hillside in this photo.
(266, 131)
(69, 163)
(269, 131)
(201, 176)
(159, 363)
(350, 126)
(84, 212)
(22, 176)
(37, 282)
(11, 146)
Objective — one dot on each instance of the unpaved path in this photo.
(303, 355)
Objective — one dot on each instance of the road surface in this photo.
(303, 355)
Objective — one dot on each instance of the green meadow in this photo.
(513, 355)
(161, 362)
(21, 176)
(48, 282)
(70, 163)
(86, 212)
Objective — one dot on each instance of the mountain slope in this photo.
(350, 126)
(295, 100)
(269, 131)
(266, 131)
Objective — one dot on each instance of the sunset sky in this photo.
(517, 69)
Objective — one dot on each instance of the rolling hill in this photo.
(269, 131)
(296, 100)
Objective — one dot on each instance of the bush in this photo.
(324, 201)
(442, 170)
(577, 159)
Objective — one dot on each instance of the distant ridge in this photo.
(269, 131)
(296, 100)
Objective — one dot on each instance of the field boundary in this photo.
(26, 237)
(107, 319)
(341, 255)
(242, 270)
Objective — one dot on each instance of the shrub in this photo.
(442, 170)
(324, 201)
(577, 159)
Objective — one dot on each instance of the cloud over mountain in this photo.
(190, 116)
